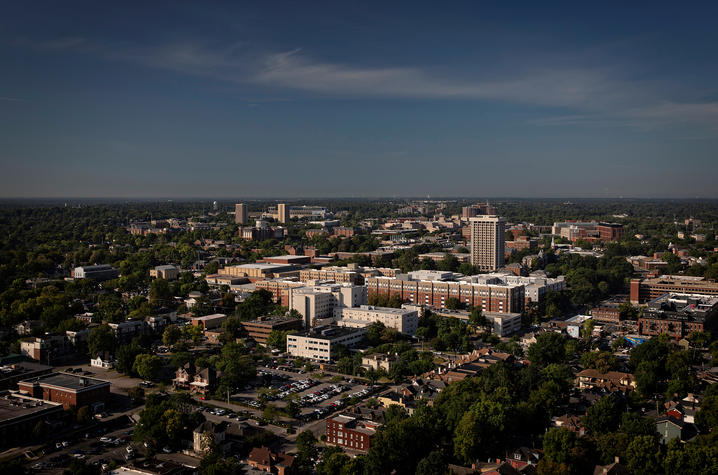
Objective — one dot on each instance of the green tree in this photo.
(160, 293)
(125, 357)
(306, 451)
(707, 417)
(101, 339)
(644, 456)
(479, 430)
(559, 444)
(171, 335)
(433, 464)
(147, 366)
(604, 416)
(237, 368)
(192, 333)
(549, 348)
(333, 462)
(277, 340)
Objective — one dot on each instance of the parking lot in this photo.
(96, 447)
(315, 397)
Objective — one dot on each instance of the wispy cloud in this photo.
(591, 96)
(60, 43)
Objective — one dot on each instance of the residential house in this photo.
(102, 362)
(615, 468)
(611, 381)
(523, 456)
(196, 380)
(669, 428)
(27, 327)
(265, 460)
(572, 423)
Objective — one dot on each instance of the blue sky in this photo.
(292, 99)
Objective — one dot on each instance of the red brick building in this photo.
(350, 432)
(67, 389)
(643, 290)
(606, 314)
(491, 297)
(610, 231)
(678, 315)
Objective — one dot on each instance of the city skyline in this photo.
(372, 100)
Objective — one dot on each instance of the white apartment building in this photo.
(319, 301)
(487, 242)
(402, 320)
(320, 343)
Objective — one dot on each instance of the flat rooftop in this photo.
(383, 310)
(214, 316)
(68, 381)
(21, 368)
(330, 332)
(15, 406)
(288, 257)
(262, 266)
(271, 320)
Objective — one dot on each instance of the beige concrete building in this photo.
(320, 343)
(260, 271)
(487, 242)
(377, 361)
(402, 320)
(240, 214)
(282, 213)
(319, 301)
(165, 272)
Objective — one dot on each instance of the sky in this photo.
(358, 99)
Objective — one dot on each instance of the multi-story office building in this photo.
(282, 213)
(350, 432)
(535, 285)
(643, 290)
(260, 329)
(487, 242)
(610, 231)
(280, 288)
(319, 301)
(404, 321)
(678, 315)
(240, 214)
(320, 343)
(259, 271)
(495, 296)
(335, 274)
